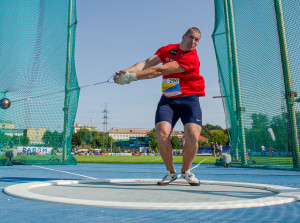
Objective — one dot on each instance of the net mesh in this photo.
(256, 98)
(38, 77)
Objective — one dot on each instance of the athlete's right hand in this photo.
(124, 77)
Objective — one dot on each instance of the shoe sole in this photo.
(195, 184)
(165, 183)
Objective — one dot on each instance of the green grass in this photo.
(145, 159)
(139, 159)
(273, 160)
(177, 160)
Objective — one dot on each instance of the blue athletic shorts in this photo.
(186, 108)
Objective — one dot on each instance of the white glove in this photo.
(125, 78)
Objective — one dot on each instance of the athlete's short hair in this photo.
(190, 30)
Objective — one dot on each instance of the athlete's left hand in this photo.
(124, 77)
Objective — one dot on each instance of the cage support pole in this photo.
(67, 87)
(292, 123)
(236, 81)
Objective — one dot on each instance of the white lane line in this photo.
(66, 172)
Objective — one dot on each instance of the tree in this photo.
(279, 127)
(4, 139)
(91, 139)
(205, 131)
(53, 139)
(258, 134)
(219, 136)
(152, 138)
(203, 143)
(260, 121)
(76, 139)
(175, 142)
(24, 140)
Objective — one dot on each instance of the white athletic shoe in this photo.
(190, 178)
(168, 178)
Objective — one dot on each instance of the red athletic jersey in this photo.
(186, 83)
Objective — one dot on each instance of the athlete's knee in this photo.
(192, 132)
(163, 131)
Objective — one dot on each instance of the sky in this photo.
(114, 35)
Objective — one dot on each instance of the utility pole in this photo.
(105, 122)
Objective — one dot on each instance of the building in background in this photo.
(77, 127)
(6, 124)
(35, 135)
(126, 134)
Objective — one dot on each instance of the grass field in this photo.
(46, 159)
(177, 160)
(140, 159)
(259, 161)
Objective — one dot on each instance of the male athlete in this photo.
(181, 86)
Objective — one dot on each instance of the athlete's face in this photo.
(190, 41)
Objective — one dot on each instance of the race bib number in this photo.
(171, 87)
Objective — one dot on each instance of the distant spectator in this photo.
(212, 145)
(216, 149)
(263, 150)
(220, 149)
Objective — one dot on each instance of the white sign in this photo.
(46, 150)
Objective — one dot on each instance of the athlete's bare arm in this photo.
(151, 61)
(155, 71)
(147, 69)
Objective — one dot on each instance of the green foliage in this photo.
(175, 142)
(208, 131)
(259, 121)
(119, 149)
(152, 138)
(52, 139)
(24, 140)
(258, 135)
(279, 128)
(76, 139)
(91, 139)
(205, 132)
(203, 143)
(4, 139)
(18, 141)
(150, 150)
(156, 150)
(219, 136)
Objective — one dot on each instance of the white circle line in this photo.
(62, 171)
(282, 195)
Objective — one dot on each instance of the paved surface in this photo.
(149, 192)
(22, 210)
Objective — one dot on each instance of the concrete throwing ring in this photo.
(146, 194)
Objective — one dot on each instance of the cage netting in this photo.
(38, 77)
(257, 46)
